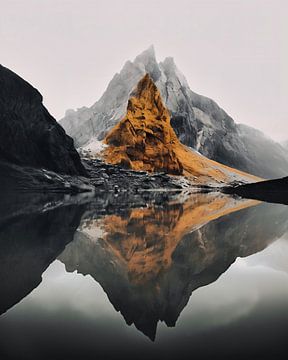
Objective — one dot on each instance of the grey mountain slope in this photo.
(197, 120)
(264, 153)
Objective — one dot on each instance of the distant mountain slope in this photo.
(29, 135)
(197, 120)
(265, 155)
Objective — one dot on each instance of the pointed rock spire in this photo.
(147, 55)
(149, 96)
(147, 60)
(144, 139)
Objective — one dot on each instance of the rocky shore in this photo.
(101, 177)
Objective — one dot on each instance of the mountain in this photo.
(29, 135)
(197, 120)
(145, 140)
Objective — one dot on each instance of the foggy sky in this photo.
(234, 51)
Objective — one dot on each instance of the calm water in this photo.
(200, 276)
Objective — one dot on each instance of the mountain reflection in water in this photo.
(148, 258)
(149, 261)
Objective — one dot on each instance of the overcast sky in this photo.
(234, 51)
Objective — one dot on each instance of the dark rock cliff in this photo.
(29, 135)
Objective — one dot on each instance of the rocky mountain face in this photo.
(29, 135)
(145, 140)
(197, 120)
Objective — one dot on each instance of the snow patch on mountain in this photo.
(92, 150)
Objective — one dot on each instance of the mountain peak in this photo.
(146, 55)
(169, 61)
(147, 63)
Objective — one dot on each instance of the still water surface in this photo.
(199, 276)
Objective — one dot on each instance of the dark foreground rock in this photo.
(275, 191)
(101, 178)
(29, 135)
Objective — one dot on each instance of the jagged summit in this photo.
(148, 63)
(147, 55)
(168, 64)
(145, 140)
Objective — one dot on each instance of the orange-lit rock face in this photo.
(144, 241)
(145, 140)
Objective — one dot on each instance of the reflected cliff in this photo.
(29, 242)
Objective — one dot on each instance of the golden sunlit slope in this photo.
(145, 140)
